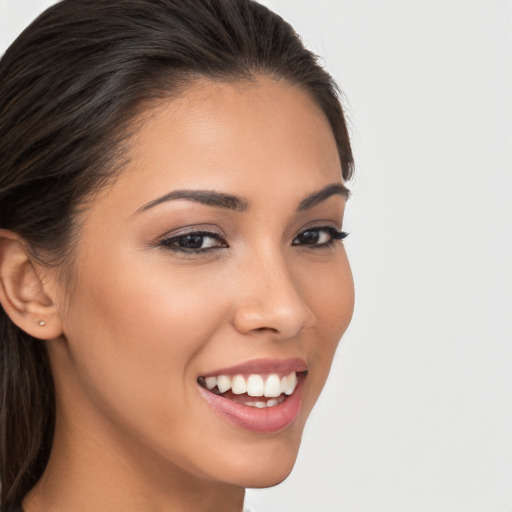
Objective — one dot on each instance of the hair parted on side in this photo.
(70, 86)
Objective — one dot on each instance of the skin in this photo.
(140, 322)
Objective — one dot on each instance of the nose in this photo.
(270, 302)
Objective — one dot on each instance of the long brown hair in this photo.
(69, 87)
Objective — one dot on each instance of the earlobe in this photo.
(22, 290)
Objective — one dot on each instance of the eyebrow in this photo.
(323, 194)
(206, 197)
(230, 202)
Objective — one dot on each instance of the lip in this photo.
(263, 367)
(265, 420)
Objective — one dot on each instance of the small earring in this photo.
(42, 323)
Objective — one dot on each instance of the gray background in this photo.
(417, 413)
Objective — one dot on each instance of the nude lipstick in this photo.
(262, 395)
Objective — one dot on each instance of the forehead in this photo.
(240, 138)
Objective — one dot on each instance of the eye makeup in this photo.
(201, 241)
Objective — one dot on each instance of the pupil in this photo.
(191, 241)
(309, 237)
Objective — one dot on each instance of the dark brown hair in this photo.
(69, 87)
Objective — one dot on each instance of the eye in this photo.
(194, 242)
(319, 236)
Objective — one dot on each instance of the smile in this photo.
(262, 396)
(244, 390)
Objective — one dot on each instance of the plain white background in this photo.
(417, 413)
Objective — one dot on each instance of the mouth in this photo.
(260, 396)
(254, 390)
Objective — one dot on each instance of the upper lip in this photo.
(262, 366)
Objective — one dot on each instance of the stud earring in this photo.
(42, 323)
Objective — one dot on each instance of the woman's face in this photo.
(214, 260)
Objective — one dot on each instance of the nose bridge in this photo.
(271, 299)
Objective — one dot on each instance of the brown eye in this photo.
(194, 242)
(310, 237)
(191, 241)
(320, 237)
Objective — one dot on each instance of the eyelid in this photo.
(205, 234)
(170, 241)
(337, 234)
(319, 227)
(200, 229)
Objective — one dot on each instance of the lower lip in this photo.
(265, 420)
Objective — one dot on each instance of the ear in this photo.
(25, 289)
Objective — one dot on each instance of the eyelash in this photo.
(335, 235)
(172, 243)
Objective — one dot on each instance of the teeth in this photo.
(273, 386)
(260, 404)
(211, 382)
(223, 383)
(255, 386)
(284, 383)
(239, 385)
(292, 384)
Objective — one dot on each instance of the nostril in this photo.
(266, 329)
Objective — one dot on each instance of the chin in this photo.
(269, 480)
(265, 465)
(269, 477)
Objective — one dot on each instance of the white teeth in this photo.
(273, 386)
(259, 404)
(239, 385)
(211, 382)
(289, 383)
(292, 384)
(270, 386)
(284, 384)
(255, 386)
(223, 383)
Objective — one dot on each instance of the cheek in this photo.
(329, 292)
(146, 301)
(331, 296)
(134, 330)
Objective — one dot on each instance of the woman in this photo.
(172, 186)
